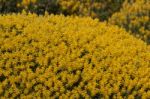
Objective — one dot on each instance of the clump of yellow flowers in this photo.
(101, 9)
(27, 2)
(94, 8)
(135, 17)
(53, 56)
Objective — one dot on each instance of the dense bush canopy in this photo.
(64, 57)
(134, 16)
(101, 9)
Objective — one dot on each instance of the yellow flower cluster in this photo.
(80, 7)
(70, 57)
(94, 8)
(27, 2)
(135, 17)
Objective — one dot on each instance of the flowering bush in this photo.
(134, 17)
(39, 6)
(70, 57)
(101, 9)
(95, 8)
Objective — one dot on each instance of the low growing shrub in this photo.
(70, 57)
(134, 17)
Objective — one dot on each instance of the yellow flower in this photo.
(60, 57)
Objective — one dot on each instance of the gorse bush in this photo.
(95, 8)
(64, 57)
(37, 6)
(134, 17)
(40, 6)
(101, 9)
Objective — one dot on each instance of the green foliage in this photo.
(7, 6)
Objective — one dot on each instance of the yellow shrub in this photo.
(134, 17)
(101, 9)
(70, 57)
(84, 7)
(27, 2)
(94, 8)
